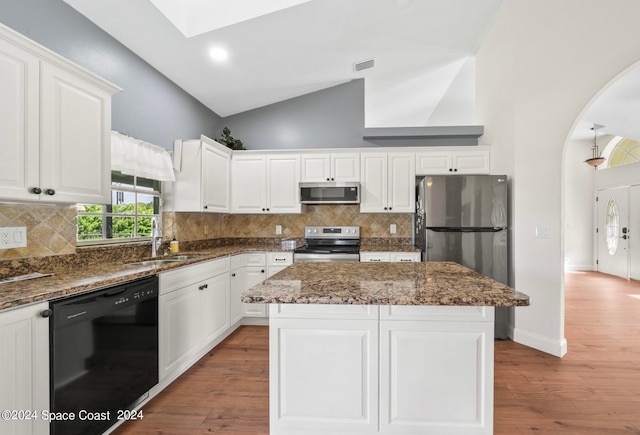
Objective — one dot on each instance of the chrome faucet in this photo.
(156, 237)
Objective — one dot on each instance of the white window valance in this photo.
(136, 157)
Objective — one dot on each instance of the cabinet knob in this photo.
(385, 208)
(328, 179)
(455, 170)
(267, 209)
(49, 192)
(46, 313)
(333, 179)
(233, 274)
(450, 169)
(262, 271)
(206, 207)
(389, 208)
(35, 190)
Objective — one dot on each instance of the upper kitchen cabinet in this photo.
(388, 182)
(265, 183)
(55, 136)
(461, 160)
(204, 176)
(323, 167)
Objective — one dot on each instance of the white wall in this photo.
(579, 206)
(535, 75)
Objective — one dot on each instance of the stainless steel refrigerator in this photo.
(463, 218)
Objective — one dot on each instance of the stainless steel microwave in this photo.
(330, 193)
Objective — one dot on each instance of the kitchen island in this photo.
(398, 348)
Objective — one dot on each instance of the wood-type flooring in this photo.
(594, 389)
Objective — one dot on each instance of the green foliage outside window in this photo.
(134, 202)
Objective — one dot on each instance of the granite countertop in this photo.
(437, 283)
(96, 275)
(389, 248)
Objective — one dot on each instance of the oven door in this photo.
(326, 258)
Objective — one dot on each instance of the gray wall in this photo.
(331, 118)
(150, 107)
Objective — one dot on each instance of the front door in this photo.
(613, 231)
(634, 239)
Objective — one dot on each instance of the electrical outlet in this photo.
(206, 230)
(542, 233)
(393, 228)
(278, 229)
(13, 237)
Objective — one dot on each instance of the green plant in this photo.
(229, 141)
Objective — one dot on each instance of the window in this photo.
(134, 202)
(621, 151)
(612, 225)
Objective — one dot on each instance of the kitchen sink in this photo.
(163, 260)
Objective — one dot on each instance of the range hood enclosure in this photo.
(330, 193)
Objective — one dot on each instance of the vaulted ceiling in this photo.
(423, 51)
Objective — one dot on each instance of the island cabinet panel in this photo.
(436, 377)
(370, 369)
(325, 376)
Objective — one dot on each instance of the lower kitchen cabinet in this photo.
(24, 367)
(325, 374)
(436, 377)
(277, 261)
(380, 369)
(393, 257)
(247, 270)
(194, 312)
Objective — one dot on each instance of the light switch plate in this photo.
(278, 229)
(393, 228)
(542, 233)
(13, 237)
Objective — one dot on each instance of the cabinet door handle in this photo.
(46, 313)
(405, 260)
(374, 259)
(35, 190)
(204, 286)
(50, 192)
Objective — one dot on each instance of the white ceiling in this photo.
(423, 49)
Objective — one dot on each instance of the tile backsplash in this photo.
(51, 229)
(198, 226)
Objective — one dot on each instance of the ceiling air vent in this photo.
(365, 64)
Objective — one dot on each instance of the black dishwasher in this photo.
(104, 355)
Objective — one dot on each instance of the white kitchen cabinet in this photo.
(24, 367)
(323, 375)
(277, 261)
(203, 181)
(247, 270)
(375, 257)
(194, 312)
(323, 167)
(265, 183)
(436, 377)
(388, 182)
(405, 257)
(462, 160)
(56, 141)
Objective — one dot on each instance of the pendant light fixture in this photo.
(596, 160)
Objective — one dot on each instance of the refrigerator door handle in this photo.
(466, 229)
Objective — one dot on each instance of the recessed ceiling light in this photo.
(219, 54)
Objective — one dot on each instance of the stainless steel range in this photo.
(329, 244)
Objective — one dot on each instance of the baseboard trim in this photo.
(553, 347)
(578, 267)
